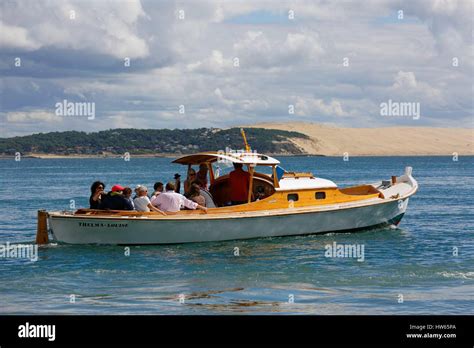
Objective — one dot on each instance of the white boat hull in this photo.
(129, 231)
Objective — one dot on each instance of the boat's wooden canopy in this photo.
(229, 157)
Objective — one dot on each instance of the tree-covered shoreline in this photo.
(151, 141)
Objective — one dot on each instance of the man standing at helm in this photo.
(239, 181)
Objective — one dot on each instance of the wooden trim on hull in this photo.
(242, 215)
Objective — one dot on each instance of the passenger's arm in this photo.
(193, 205)
(97, 194)
(156, 209)
(200, 207)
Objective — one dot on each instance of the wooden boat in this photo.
(292, 204)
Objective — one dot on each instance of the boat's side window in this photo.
(320, 195)
(293, 197)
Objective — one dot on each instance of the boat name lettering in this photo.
(101, 224)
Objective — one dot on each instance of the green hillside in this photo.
(151, 141)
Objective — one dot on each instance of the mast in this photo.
(247, 146)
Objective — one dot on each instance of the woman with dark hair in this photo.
(189, 180)
(127, 194)
(158, 189)
(97, 190)
(201, 175)
(195, 195)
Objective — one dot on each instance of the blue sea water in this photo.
(413, 269)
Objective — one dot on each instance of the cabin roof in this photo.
(229, 157)
(303, 183)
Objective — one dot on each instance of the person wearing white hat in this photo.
(136, 191)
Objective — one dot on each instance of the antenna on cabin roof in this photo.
(247, 146)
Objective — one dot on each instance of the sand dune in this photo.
(396, 141)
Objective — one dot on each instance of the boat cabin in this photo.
(276, 188)
(261, 185)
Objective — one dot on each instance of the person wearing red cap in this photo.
(117, 188)
(114, 200)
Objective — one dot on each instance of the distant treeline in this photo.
(151, 141)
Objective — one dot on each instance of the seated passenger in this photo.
(208, 198)
(201, 175)
(239, 181)
(171, 201)
(114, 200)
(260, 193)
(142, 202)
(158, 187)
(189, 180)
(136, 191)
(195, 195)
(127, 194)
(97, 193)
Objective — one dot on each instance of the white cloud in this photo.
(257, 49)
(407, 86)
(405, 80)
(105, 27)
(317, 107)
(213, 64)
(31, 116)
(12, 36)
(190, 61)
(448, 20)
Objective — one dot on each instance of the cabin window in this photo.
(320, 195)
(293, 197)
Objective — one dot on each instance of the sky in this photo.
(189, 64)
